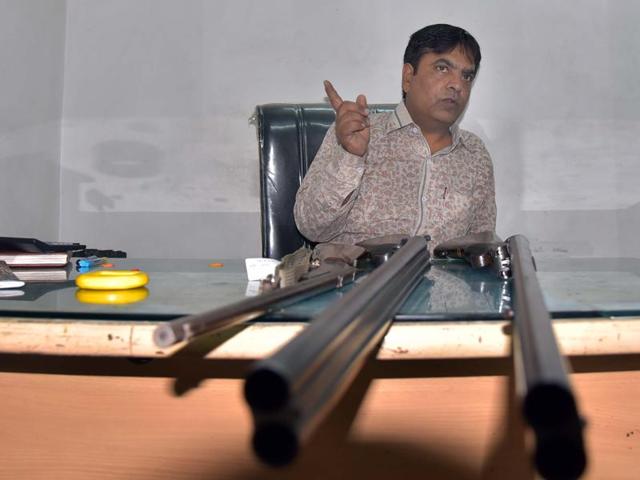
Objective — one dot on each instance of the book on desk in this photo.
(31, 252)
(45, 274)
(35, 259)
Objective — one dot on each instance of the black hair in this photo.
(440, 38)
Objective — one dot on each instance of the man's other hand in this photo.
(352, 121)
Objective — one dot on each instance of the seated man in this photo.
(411, 171)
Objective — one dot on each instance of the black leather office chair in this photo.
(289, 136)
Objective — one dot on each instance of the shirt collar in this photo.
(401, 118)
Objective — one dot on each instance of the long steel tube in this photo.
(184, 328)
(549, 405)
(291, 391)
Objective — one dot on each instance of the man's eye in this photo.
(441, 68)
(468, 77)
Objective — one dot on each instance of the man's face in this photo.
(438, 91)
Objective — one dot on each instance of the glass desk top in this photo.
(593, 287)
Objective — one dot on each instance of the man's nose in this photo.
(455, 83)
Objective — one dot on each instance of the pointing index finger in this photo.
(334, 98)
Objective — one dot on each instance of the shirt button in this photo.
(414, 129)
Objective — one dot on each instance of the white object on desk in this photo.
(7, 278)
(259, 268)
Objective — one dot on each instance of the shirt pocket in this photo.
(457, 205)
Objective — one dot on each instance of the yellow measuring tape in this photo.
(112, 280)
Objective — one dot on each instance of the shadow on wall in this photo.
(127, 159)
(124, 159)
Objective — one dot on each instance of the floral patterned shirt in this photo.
(398, 186)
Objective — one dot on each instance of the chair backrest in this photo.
(289, 136)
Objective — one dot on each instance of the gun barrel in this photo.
(292, 391)
(549, 405)
(184, 328)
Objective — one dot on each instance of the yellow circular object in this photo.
(112, 297)
(112, 280)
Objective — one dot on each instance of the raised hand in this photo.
(352, 121)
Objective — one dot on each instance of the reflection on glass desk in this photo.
(450, 290)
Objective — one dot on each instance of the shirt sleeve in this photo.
(484, 201)
(328, 190)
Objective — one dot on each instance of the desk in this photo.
(85, 393)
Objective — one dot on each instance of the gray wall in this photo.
(32, 38)
(159, 159)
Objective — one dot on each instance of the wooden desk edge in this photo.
(405, 340)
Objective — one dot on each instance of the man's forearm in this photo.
(328, 191)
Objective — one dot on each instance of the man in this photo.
(411, 171)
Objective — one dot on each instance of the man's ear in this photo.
(407, 76)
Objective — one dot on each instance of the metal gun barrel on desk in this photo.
(185, 328)
(548, 403)
(291, 392)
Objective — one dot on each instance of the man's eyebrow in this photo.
(443, 60)
(449, 63)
